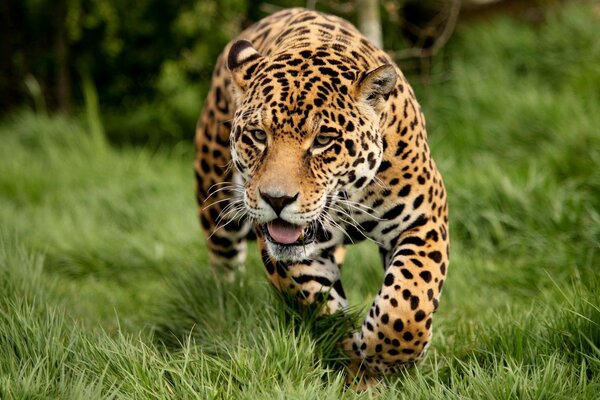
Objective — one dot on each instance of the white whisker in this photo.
(229, 209)
(327, 218)
(239, 214)
(225, 186)
(380, 183)
(216, 202)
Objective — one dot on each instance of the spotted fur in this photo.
(308, 123)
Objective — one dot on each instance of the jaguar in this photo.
(310, 139)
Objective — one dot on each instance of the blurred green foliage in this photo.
(150, 60)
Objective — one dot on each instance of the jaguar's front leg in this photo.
(315, 280)
(397, 330)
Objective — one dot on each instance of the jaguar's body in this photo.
(311, 138)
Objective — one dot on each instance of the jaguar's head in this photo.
(306, 128)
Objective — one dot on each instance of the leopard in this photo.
(311, 139)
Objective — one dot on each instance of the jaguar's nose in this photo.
(277, 203)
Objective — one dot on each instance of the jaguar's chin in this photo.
(289, 242)
(290, 253)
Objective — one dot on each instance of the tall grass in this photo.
(105, 289)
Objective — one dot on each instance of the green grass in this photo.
(105, 289)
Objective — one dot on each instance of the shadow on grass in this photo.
(219, 315)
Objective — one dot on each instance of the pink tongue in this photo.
(284, 232)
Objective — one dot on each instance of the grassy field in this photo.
(105, 291)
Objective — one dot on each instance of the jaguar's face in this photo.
(298, 141)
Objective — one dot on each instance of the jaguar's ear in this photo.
(242, 61)
(376, 85)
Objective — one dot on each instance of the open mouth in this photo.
(284, 233)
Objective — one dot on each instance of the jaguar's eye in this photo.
(259, 135)
(322, 140)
